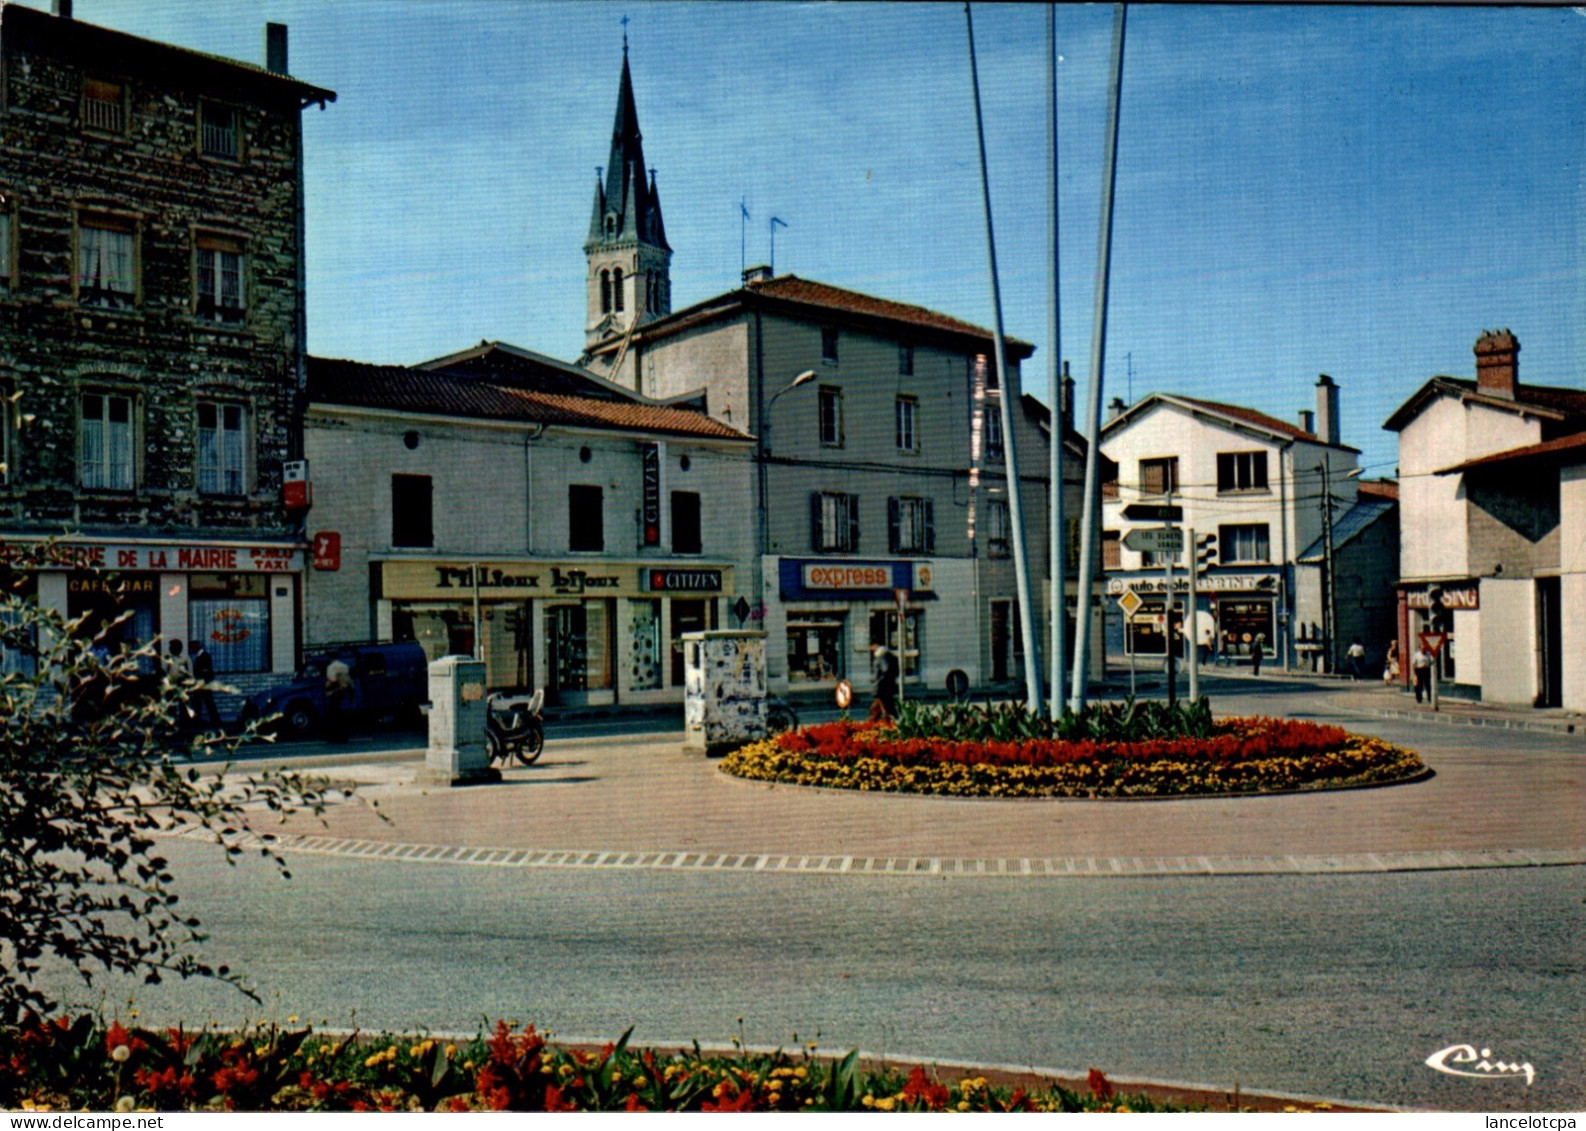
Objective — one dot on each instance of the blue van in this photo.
(390, 681)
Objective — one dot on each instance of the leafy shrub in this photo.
(1129, 721)
(93, 764)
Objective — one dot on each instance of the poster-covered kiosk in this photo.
(724, 690)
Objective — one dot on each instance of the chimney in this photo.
(1065, 395)
(276, 48)
(1115, 409)
(1307, 422)
(756, 274)
(1498, 364)
(1326, 410)
(61, 8)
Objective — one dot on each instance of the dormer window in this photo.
(104, 106)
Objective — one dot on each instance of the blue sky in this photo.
(1352, 190)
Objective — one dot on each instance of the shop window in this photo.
(1159, 476)
(218, 131)
(1241, 471)
(884, 631)
(222, 449)
(644, 629)
(906, 413)
(831, 416)
(911, 526)
(230, 613)
(107, 268)
(104, 597)
(834, 522)
(412, 511)
(218, 283)
(997, 528)
(686, 533)
(104, 106)
(107, 456)
(1244, 543)
(586, 524)
(815, 646)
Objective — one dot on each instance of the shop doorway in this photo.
(1003, 627)
(688, 616)
(567, 652)
(884, 631)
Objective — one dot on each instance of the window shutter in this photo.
(853, 523)
(930, 526)
(894, 535)
(815, 522)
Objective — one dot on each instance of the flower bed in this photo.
(76, 1064)
(1252, 755)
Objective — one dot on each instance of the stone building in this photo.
(1487, 467)
(502, 500)
(151, 327)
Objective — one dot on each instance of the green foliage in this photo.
(1129, 721)
(95, 762)
(81, 1065)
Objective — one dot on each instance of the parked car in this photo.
(390, 681)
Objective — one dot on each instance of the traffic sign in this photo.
(1433, 642)
(1155, 539)
(1154, 512)
(1129, 601)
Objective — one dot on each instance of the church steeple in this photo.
(629, 259)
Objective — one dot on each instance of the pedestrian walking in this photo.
(885, 704)
(1356, 655)
(1258, 648)
(1208, 643)
(1421, 666)
(1390, 666)
(338, 696)
(179, 673)
(202, 701)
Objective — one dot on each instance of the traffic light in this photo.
(1205, 551)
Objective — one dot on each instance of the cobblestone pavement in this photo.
(1495, 800)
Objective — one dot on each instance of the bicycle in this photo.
(514, 729)
(779, 715)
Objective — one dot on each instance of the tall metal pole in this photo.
(1098, 356)
(1192, 634)
(1057, 552)
(1167, 626)
(1330, 608)
(1006, 395)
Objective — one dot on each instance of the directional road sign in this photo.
(1154, 512)
(1155, 539)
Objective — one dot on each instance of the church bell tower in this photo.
(629, 261)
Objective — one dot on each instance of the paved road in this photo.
(680, 900)
(1335, 986)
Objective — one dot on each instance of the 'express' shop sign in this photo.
(805, 579)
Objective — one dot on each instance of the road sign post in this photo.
(1433, 643)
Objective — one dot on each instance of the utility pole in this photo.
(1329, 592)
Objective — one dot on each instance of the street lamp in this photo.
(803, 378)
(1330, 590)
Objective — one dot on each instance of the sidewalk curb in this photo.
(1563, 730)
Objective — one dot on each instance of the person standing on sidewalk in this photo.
(1421, 665)
(205, 713)
(1258, 648)
(885, 705)
(1357, 659)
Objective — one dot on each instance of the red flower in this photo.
(731, 1100)
(633, 1104)
(921, 1090)
(1100, 1086)
(554, 1100)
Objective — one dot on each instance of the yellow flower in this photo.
(868, 1100)
(292, 1020)
(451, 1051)
(566, 1070)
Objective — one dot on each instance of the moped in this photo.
(513, 727)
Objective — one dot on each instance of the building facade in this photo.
(502, 504)
(1257, 486)
(882, 472)
(1486, 469)
(151, 322)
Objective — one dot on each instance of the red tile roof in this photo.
(1567, 449)
(1251, 416)
(1568, 405)
(808, 292)
(1380, 488)
(401, 389)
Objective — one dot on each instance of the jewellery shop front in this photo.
(239, 598)
(588, 632)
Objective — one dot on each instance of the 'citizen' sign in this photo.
(683, 580)
(650, 463)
